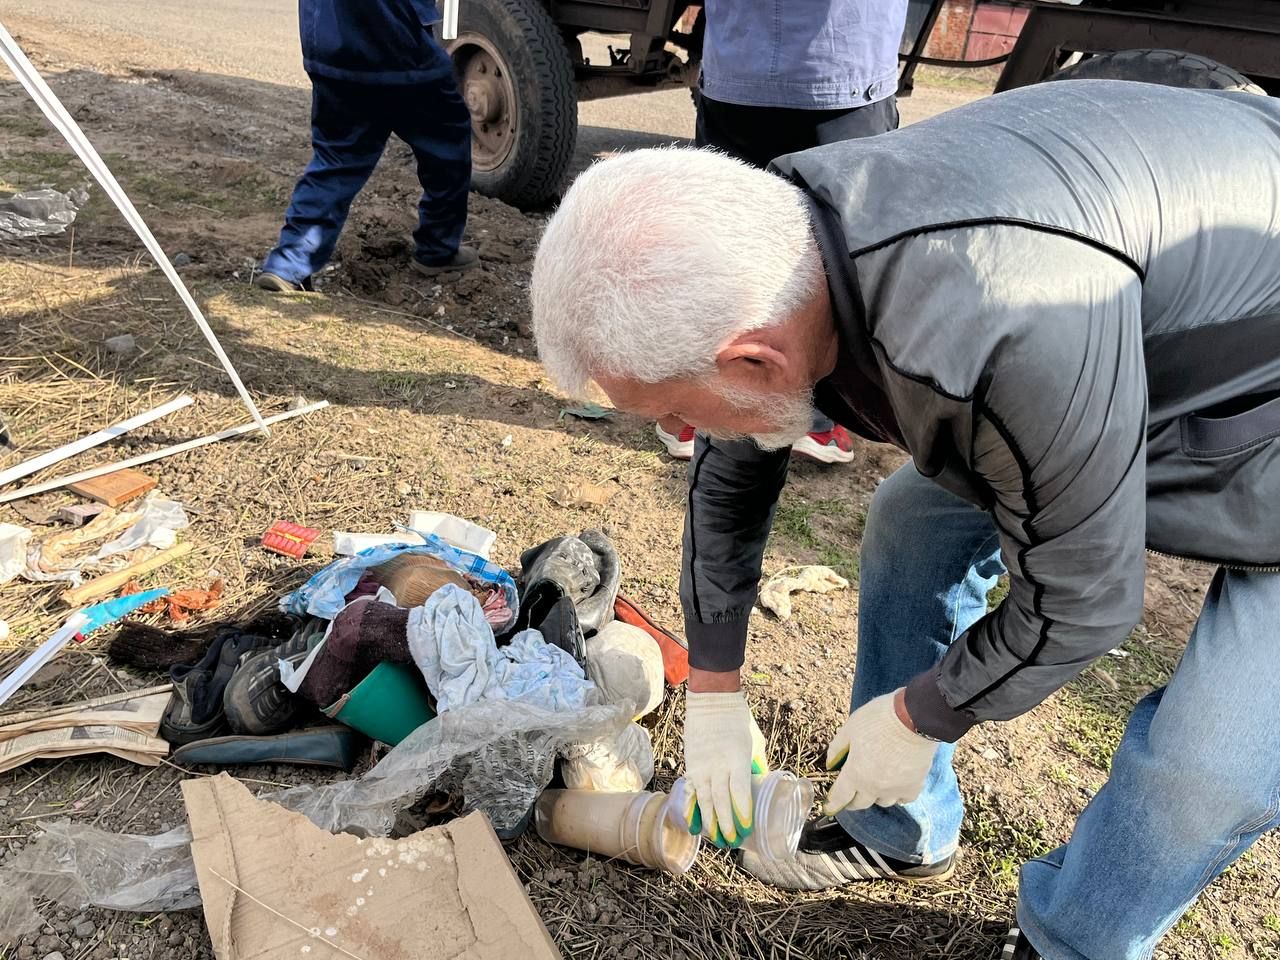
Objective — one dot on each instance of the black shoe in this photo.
(195, 710)
(828, 857)
(1018, 947)
(465, 259)
(333, 746)
(545, 608)
(277, 284)
(255, 701)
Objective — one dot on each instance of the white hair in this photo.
(657, 258)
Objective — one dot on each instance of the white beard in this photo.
(793, 414)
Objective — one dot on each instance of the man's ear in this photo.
(751, 360)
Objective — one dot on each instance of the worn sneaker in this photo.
(277, 284)
(465, 259)
(680, 446)
(830, 446)
(256, 702)
(1018, 947)
(828, 857)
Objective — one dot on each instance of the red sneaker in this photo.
(831, 446)
(680, 447)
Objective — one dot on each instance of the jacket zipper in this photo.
(1241, 567)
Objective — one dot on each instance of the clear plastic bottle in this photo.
(780, 806)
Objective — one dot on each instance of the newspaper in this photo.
(141, 715)
(124, 728)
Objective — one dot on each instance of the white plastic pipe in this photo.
(52, 107)
(42, 655)
(156, 454)
(69, 450)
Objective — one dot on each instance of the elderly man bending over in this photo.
(1064, 303)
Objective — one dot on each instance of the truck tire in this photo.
(1171, 68)
(517, 80)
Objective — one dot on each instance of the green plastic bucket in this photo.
(387, 705)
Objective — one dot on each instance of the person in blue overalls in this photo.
(375, 70)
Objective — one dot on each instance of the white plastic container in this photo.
(631, 826)
(780, 806)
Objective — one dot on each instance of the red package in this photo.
(289, 539)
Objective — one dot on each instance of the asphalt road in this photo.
(258, 40)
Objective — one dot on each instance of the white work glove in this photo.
(722, 746)
(884, 762)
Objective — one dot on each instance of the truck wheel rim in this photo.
(490, 95)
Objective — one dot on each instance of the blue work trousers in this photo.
(350, 126)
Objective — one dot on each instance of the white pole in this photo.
(30, 78)
(157, 454)
(449, 20)
(69, 450)
(42, 655)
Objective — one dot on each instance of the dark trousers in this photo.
(350, 126)
(758, 134)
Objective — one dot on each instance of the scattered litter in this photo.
(157, 526)
(675, 654)
(459, 533)
(289, 539)
(631, 826)
(453, 645)
(82, 622)
(181, 604)
(582, 495)
(618, 764)
(78, 514)
(40, 213)
(93, 472)
(109, 584)
(349, 544)
(116, 488)
(126, 729)
(78, 866)
(326, 592)
(585, 569)
(507, 440)
(588, 411)
(625, 663)
(775, 596)
(269, 880)
(13, 550)
(60, 556)
(122, 344)
(4, 630)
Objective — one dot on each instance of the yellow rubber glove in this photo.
(721, 745)
(882, 762)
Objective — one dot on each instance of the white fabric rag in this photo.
(453, 646)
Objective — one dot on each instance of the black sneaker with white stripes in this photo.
(1018, 947)
(828, 857)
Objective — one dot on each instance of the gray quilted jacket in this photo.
(1064, 303)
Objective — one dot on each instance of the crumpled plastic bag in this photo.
(157, 526)
(13, 550)
(775, 596)
(454, 647)
(78, 866)
(626, 664)
(40, 213)
(618, 764)
(497, 754)
(326, 592)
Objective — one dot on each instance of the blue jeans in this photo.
(350, 126)
(1195, 781)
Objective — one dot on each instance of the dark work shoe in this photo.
(828, 857)
(255, 701)
(465, 259)
(1018, 947)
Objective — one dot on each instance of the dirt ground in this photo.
(437, 402)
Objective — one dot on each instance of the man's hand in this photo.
(885, 762)
(721, 745)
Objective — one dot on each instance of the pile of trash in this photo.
(487, 688)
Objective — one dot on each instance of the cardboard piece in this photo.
(275, 885)
(116, 488)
